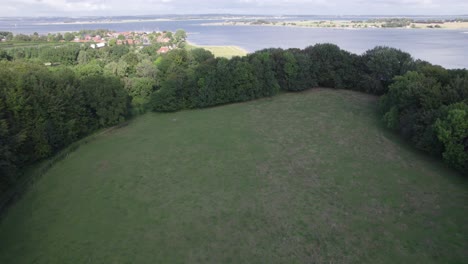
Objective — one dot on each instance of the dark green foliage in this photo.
(106, 98)
(65, 54)
(5, 56)
(334, 66)
(452, 131)
(90, 69)
(116, 52)
(196, 79)
(7, 158)
(165, 100)
(146, 69)
(42, 111)
(424, 107)
(263, 66)
(382, 64)
(179, 38)
(22, 37)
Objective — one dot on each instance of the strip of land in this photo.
(345, 24)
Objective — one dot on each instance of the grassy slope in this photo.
(221, 51)
(295, 178)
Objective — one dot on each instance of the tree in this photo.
(116, 52)
(168, 35)
(131, 60)
(383, 64)
(452, 131)
(68, 36)
(179, 38)
(332, 63)
(5, 56)
(82, 57)
(146, 69)
(106, 98)
(180, 35)
(88, 70)
(112, 42)
(35, 36)
(165, 100)
(411, 107)
(7, 159)
(58, 37)
(9, 36)
(119, 69)
(22, 37)
(141, 88)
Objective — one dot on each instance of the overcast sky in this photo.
(310, 7)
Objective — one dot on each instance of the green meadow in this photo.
(311, 177)
(221, 51)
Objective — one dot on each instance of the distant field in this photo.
(308, 177)
(9, 45)
(222, 51)
(447, 25)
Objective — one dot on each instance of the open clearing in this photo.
(221, 51)
(297, 178)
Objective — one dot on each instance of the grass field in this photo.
(308, 177)
(221, 51)
(31, 44)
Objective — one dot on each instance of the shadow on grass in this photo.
(33, 173)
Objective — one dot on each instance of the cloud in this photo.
(139, 7)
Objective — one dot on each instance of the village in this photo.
(166, 40)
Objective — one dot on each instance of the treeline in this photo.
(43, 109)
(426, 104)
(392, 22)
(50, 37)
(429, 106)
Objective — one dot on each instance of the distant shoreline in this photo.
(335, 24)
(118, 21)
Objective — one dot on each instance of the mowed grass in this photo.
(308, 177)
(221, 51)
(226, 51)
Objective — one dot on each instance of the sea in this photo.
(448, 48)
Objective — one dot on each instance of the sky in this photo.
(268, 7)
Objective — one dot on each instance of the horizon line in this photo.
(233, 14)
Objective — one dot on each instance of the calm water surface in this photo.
(448, 48)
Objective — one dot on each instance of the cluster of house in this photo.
(127, 38)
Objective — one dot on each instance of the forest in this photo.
(43, 108)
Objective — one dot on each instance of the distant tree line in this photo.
(51, 37)
(44, 109)
(392, 22)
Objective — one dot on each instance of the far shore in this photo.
(116, 21)
(335, 24)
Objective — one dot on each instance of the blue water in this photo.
(448, 48)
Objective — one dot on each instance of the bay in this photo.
(448, 48)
